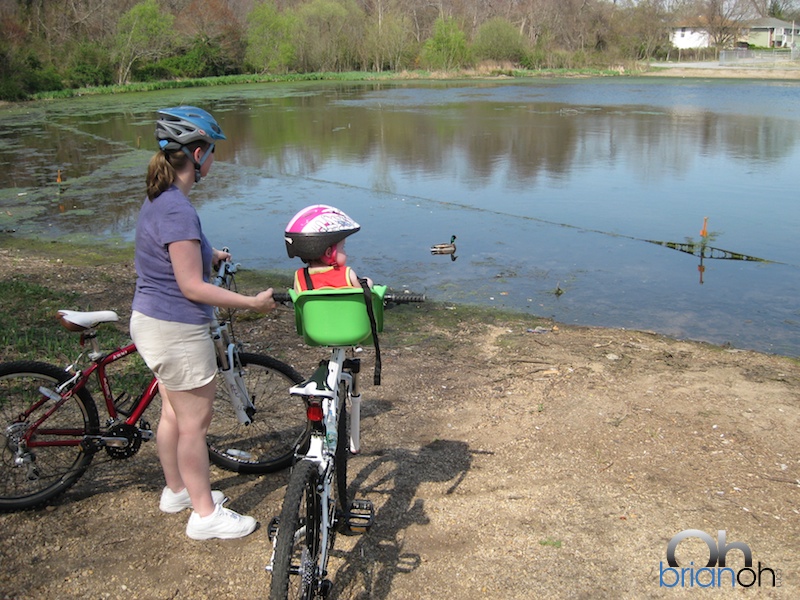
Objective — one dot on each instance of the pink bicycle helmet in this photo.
(315, 229)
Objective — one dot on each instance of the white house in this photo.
(690, 36)
(765, 33)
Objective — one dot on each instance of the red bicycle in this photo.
(50, 427)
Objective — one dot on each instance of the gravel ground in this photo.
(502, 463)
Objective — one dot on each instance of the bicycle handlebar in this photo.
(227, 268)
(403, 298)
(388, 298)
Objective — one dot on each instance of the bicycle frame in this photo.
(230, 369)
(323, 390)
(227, 363)
(317, 504)
(80, 378)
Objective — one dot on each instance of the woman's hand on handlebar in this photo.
(219, 256)
(263, 302)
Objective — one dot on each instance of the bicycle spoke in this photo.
(278, 428)
(33, 474)
(296, 570)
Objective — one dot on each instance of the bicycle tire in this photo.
(279, 430)
(53, 469)
(296, 572)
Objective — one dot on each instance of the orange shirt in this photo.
(323, 277)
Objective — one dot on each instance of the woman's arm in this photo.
(187, 263)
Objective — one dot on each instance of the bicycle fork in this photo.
(231, 371)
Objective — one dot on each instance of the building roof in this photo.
(769, 23)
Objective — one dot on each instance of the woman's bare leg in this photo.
(182, 450)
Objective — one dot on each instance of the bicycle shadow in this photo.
(392, 480)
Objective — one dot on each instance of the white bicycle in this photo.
(317, 502)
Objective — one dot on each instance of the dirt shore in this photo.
(712, 71)
(507, 457)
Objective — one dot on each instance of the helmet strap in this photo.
(197, 164)
(329, 258)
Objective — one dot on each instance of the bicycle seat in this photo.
(76, 320)
(337, 316)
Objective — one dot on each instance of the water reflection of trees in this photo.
(472, 140)
(477, 141)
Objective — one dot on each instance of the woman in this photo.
(172, 309)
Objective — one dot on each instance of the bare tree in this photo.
(725, 20)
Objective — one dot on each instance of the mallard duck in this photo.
(446, 248)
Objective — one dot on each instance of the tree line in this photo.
(51, 45)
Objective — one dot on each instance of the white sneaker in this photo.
(173, 503)
(223, 523)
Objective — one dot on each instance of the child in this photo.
(317, 235)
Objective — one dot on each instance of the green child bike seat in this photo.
(337, 316)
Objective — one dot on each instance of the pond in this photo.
(581, 200)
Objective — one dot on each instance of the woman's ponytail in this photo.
(160, 175)
(164, 166)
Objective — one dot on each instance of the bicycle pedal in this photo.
(360, 517)
(272, 530)
(146, 431)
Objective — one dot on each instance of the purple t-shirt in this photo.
(169, 218)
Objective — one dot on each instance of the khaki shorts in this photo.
(181, 355)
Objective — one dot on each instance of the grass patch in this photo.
(31, 331)
(252, 281)
(78, 254)
(150, 86)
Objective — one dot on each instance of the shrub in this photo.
(498, 39)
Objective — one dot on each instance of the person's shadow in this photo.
(391, 480)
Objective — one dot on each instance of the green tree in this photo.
(202, 57)
(447, 48)
(89, 64)
(213, 41)
(21, 74)
(143, 33)
(389, 42)
(330, 33)
(499, 39)
(270, 39)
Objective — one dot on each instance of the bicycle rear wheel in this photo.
(296, 572)
(279, 428)
(39, 473)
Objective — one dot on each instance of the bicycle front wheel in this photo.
(53, 458)
(296, 572)
(279, 427)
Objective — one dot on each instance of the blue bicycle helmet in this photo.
(176, 127)
(182, 125)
